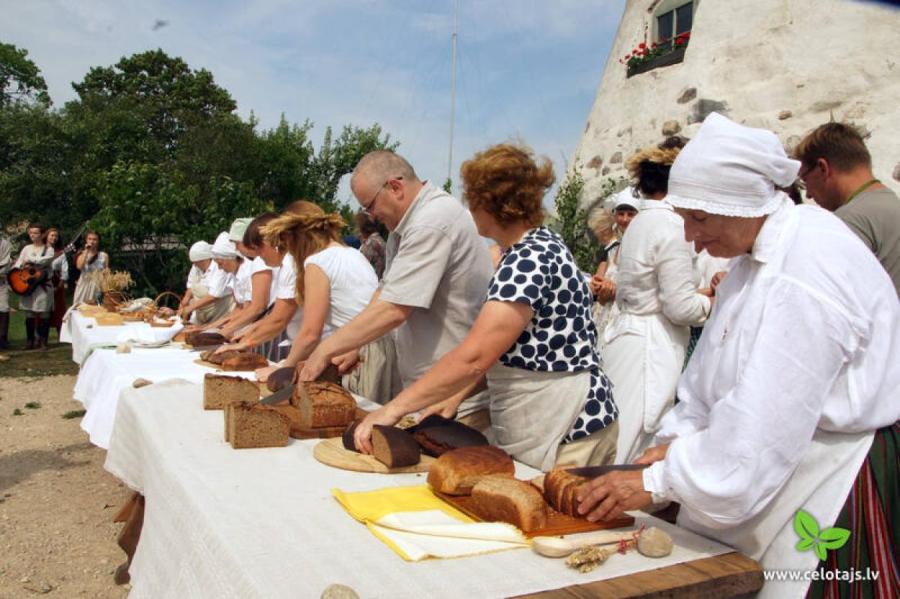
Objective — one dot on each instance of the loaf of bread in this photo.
(458, 470)
(438, 435)
(394, 447)
(347, 437)
(244, 361)
(212, 357)
(498, 498)
(204, 339)
(323, 405)
(219, 390)
(280, 378)
(249, 425)
(293, 415)
(560, 491)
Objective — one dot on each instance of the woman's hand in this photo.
(446, 408)
(262, 374)
(606, 291)
(347, 362)
(313, 366)
(609, 496)
(653, 454)
(362, 436)
(716, 279)
(231, 347)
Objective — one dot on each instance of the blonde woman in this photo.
(333, 282)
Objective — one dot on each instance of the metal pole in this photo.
(453, 88)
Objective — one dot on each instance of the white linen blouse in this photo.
(804, 334)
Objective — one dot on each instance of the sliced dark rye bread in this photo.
(394, 447)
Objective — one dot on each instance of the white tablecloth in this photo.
(105, 374)
(84, 333)
(262, 522)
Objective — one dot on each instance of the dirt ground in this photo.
(56, 500)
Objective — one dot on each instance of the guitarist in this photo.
(39, 303)
(5, 259)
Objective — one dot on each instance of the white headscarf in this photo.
(200, 251)
(224, 248)
(238, 228)
(731, 170)
(626, 198)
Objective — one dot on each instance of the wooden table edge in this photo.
(727, 575)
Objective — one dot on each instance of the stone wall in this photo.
(783, 65)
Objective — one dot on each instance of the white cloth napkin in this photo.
(148, 336)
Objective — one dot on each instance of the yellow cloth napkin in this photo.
(416, 524)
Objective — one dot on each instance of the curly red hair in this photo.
(506, 182)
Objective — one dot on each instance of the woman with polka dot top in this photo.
(534, 338)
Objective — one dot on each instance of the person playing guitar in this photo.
(39, 303)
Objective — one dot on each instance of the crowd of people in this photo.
(45, 267)
(739, 345)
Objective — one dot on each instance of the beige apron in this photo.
(819, 485)
(531, 412)
(643, 359)
(213, 311)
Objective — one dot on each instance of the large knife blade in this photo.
(595, 471)
(279, 396)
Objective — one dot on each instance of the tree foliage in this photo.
(152, 153)
(20, 78)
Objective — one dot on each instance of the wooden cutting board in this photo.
(331, 452)
(557, 522)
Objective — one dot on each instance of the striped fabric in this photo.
(872, 514)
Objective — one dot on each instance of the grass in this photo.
(33, 405)
(18, 412)
(74, 414)
(57, 359)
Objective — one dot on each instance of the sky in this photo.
(527, 70)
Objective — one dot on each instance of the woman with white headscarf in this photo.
(657, 300)
(209, 288)
(787, 423)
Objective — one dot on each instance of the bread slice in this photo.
(394, 447)
(499, 498)
(204, 339)
(323, 405)
(254, 425)
(219, 390)
(457, 471)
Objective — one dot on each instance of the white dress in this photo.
(41, 299)
(645, 343)
(86, 290)
(796, 368)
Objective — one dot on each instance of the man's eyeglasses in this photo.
(368, 208)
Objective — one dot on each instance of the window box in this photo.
(670, 58)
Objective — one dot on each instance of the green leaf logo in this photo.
(811, 537)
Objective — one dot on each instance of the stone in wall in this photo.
(616, 158)
(785, 114)
(897, 172)
(687, 94)
(670, 128)
(606, 170)
(791, 143)
(704, 107)
(823, 105)
(596, 162)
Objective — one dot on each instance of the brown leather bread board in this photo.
(327, 432)
(331, 452)
(557, 523)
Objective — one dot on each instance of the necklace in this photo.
(862, 188)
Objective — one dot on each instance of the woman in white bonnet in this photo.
(790, 400)
(209, 288)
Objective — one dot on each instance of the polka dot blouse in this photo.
(539, 270)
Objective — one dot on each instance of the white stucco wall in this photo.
(763, 59)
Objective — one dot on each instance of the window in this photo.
(672, 21)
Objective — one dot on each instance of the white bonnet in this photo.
(200, 251)
(731, 170)
(223, 247)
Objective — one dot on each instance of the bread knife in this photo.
(279, 396)
(595, 471)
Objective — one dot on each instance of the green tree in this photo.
(20, 78)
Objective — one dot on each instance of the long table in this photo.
(263, 523)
